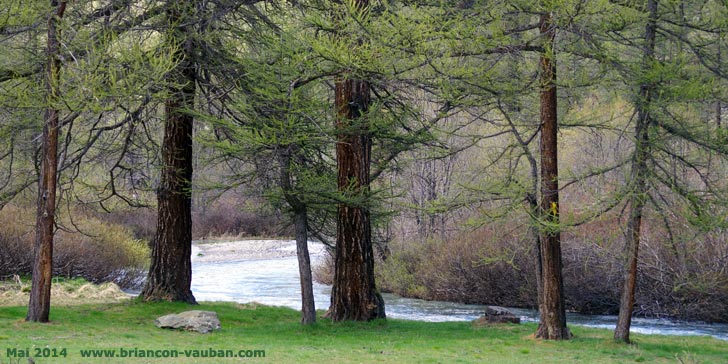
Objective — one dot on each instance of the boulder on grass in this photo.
(497, 315)
(200, 321)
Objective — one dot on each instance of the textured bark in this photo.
(633, 233)
(300, 212)
(354, 294)
(40, 294)
(536, 236)
(718, 113)
(552, 325)
(638, 194)
(170, 273)
(308, 306)
(718, 104)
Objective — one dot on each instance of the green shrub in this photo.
(230, 216)
(477, 267)
(97, 251)
(496, 265)
(398, 274)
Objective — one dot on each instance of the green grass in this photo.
(278, 332)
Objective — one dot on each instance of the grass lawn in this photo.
(277, 331)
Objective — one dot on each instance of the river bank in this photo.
(266, 271)
(218, 251)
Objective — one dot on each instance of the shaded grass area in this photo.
(277, 330)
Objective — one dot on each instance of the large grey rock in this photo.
(200, 321)
(497, 315)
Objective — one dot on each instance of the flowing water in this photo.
(275, 282)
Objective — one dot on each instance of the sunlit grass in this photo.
(278, 332)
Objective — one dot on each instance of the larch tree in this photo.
(552, 307)
(354, 294)
(281, 122)
(275, 125)
(81, 103)
(477, 80)
(170, 273)
(676, 150)
(40, 294)
(638, 191)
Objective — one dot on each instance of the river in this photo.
(274, 281)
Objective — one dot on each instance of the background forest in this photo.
(454, 122)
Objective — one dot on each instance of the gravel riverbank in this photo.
(230, 251)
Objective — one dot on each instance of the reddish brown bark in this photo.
(552, 325)
(638, 194)
(170, 273)
(40, 294)
(354, 295)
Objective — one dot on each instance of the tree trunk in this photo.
(552, 325)
(535, 234)
(718, 113)
(638, 195)
(300, 212)
(40, 294)
(354, 294)
(718, 104)
(308, 306)
(170, 274)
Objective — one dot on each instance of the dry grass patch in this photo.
(16, 292)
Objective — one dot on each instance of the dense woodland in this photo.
(559, 154)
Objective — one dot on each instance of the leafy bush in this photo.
(142, 222)
(480, 267)
(496, 265)
(324, 271)
(98, 251)
(222, 219)
(227, 216)
(398, 274)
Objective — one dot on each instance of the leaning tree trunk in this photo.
(552, 325)
(300, 217)
(354, 294)
(170, 273)
(637, 202)
(308, 306)
(638, 194)
(40, 294)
